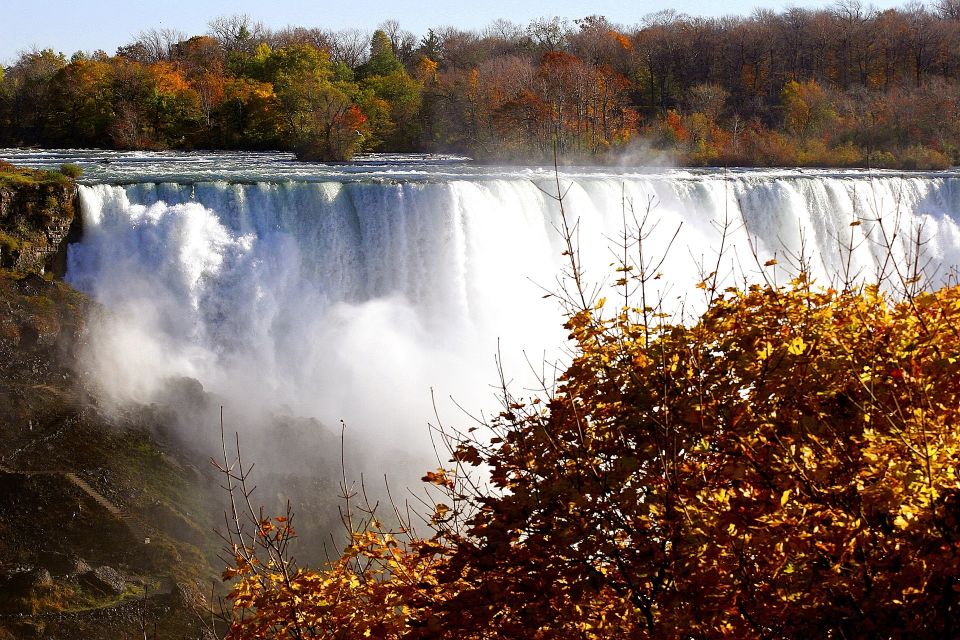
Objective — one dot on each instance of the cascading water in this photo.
(326, 299)
(348, 292)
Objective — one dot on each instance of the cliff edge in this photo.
(38, 213)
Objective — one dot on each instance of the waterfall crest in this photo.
(351, 299)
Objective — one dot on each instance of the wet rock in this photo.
(39, 578)
(29, 628)
(76, 567)
(104, 579)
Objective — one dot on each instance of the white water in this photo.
(348, 292)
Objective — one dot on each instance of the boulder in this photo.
(64, 565)
(104, 579)
(34, 579)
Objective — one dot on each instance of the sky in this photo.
(87, 25)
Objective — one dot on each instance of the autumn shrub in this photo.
(786, 467)
(920, 157)
(881, 160)
(71, 170)
(771, 148)
(365, 593)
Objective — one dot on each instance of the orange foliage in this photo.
(675, 123)
(622, 40)
(366, 593)
(168, 78)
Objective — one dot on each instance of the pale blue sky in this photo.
(71, 25)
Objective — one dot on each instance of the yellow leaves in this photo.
(367, 592)
(440, 477)
(796, 346)
(674, 362)
(765, 352)
(426, 69)
(784, 498)
(674, 453)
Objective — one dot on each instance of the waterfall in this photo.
(351, 299)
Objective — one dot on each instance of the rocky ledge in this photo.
(37, 216)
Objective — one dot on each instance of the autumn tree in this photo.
(203, 63)
(764, 87)
(81, 95)
(807, 108)
(248, 116)
(783, 468)
(320, 118)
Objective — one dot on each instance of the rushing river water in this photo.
(348, 291)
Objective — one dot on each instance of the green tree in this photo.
(383, 61)
(29, 83)
(320, 118)
(431, 46)
(400, 97)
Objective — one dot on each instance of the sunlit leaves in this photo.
(783, 467)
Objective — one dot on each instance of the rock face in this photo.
(38, 211)
(69, 566)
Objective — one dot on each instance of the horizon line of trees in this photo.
(847, 85)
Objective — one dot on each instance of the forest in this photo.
(843, 86)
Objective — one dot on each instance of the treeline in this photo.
(845, 86)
